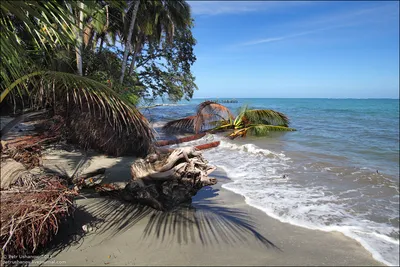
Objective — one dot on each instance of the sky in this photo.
(299, 49)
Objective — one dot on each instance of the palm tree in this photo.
(214, 117)
(155, 21)
(96, 116)
(135, 8)
(79, 37)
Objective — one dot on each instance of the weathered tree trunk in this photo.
(19, 119)
(163, 150)
(132, 66)
(128, 40)
(101, 43)
(78, 48)
(208, 145)
(180, 140)
(165, 182)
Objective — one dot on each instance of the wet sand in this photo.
(219, 229)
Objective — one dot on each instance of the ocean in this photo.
(338, 172)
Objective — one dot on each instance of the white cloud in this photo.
(267, 40)
(338, 20)
(275, 39)
(352, 16)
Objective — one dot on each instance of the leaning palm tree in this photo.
(94, 114)
(214, 117)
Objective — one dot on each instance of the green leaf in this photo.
(263, 130)
(266, 116)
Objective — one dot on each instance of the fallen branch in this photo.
(163, 150)
(207, 146)
(180, 140)
(8, 127)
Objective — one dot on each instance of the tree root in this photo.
(165, 181)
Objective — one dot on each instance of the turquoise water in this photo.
(338, 172)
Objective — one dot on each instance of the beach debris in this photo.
(13, 123)
(31, 213)
(87, 228)
(28, 155)
(169, 181)
(208, 145)
(90, 179)
(163, 150)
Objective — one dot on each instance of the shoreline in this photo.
(327, 230)
(286, 202)
(219, 229)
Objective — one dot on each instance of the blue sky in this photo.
(310, 49)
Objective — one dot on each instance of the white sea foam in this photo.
(259, 175)
(158, 124)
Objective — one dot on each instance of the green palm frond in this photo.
(258, 130)
(75, 92)
(262, 129)
(265, 116)
(28, 24)
(239, 120)
(211, 111)
(93, 110)
(223, 126)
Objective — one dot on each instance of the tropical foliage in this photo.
(62, 55)
(214, 117)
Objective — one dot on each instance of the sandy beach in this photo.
(199, 133)
(219, 229)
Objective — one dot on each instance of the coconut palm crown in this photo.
(214, 117)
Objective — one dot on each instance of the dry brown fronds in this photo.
(30, 217)
(29, 156)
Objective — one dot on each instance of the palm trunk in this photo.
(91, 45)
(101, 43)
(180, 140)
(132, 66)
(78, 47)
(128, 40)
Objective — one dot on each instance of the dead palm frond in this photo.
(209, 112)
(188, 124)
(180, 125)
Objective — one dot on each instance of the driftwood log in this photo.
(166, 181)
(180, 140)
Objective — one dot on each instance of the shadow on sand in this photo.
(203, 222)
